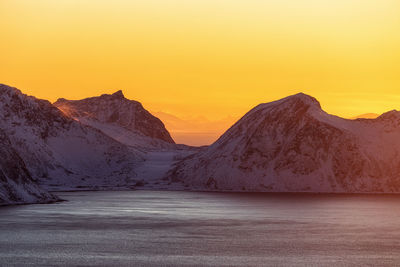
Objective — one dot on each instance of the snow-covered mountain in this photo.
(16, 183)
(120, 118)
(292, 145)
(60, 152)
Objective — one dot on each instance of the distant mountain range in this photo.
(366, 116)
(109, 142)
(197, 131)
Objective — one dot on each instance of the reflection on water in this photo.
(194, 228)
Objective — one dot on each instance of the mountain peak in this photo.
(390, 115)
(118, 94)
(294, 103)
(304, 98)
(117, 111)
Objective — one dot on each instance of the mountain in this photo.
(123, 119)
(16, 183)
(127, 122)
(60, 152)
(366, 116)
(292, 145)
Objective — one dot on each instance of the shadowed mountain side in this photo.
(16, 183)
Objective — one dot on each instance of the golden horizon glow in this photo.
(212, 58)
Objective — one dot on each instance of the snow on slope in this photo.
(130, 124)
(120, 118)
(155, 167)
(16, 184)
(292, 145)
(60, 152)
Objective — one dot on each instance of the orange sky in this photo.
(212, 58)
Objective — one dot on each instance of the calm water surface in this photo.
(160, 228)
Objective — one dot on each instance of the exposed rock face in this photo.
(60, 152)
(16, 183)
(292, 145)
(123, 119)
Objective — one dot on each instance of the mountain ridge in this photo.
(288, 145)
